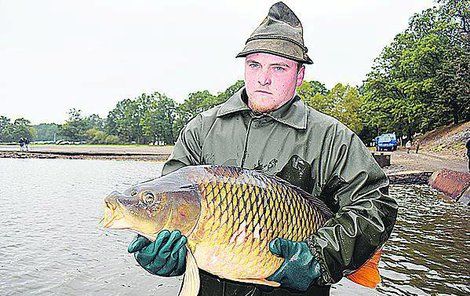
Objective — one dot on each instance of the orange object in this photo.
(368, 275)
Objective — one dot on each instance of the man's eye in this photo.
(254, 66)
(279, 69)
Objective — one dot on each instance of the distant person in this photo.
(26, 144)
(468, 153)
(21, 141)
(408, 146)
(417, 146)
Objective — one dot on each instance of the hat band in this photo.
(303, 47)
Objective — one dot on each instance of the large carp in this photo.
(229, 216)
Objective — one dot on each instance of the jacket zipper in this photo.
(242, 163)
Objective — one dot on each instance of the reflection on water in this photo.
(428, 251)
(51, 243)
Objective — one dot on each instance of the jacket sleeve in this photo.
(187, 149)
(353, 185)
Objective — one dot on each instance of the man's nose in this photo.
(264, 78)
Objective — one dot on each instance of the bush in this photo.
(111, 139)
(95, 136)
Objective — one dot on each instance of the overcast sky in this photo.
(90, 54)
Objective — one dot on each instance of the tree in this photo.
(196, 103)
(157, 122)
(95, 121)
(143, 120)
(12, 132)
(4, 123)
(342, 102)
(308, 89)
(46, 131)
(200, 101)
(75, 126)
(421, 80)
(230, 91)
(124, 121)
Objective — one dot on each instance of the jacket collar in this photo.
(293, 113)
(234, 104)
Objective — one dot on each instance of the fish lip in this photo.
(108, 223)
(110, 205)
(115, 209)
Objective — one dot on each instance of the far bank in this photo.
(117, 152)
(426, 160)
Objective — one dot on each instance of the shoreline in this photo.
(84, 155)
(403, 166)
(108, 152)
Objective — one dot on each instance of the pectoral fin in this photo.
(191, 281)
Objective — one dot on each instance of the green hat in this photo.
(280, 34)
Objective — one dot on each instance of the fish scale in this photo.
(241, 213)
(229, 216)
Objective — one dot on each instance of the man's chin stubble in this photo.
(262, 108)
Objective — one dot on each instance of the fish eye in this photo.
(148, 197)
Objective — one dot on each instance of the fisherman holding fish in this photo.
(265, 126)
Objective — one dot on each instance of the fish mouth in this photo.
(118, 216)
(113, 216)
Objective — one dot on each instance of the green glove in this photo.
(166, 256)
(299, 268)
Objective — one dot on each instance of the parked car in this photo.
(386, 142)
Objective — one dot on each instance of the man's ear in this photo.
(300, 75)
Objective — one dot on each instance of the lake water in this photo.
(51, 243)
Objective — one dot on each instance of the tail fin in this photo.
(368, 275)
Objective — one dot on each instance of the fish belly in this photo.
(235, 263)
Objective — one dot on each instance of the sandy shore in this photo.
(401, 161)
(118, 152)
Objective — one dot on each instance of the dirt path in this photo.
(424, 161)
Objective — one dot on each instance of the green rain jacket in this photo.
(308, 149)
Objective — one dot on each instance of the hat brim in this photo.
(279, 47)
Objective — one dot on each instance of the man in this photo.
(408, 146)
(21, 142)
(266, 126)
(26, 144)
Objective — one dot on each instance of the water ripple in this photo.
(52, 244)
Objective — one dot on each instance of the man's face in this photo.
(270, 81)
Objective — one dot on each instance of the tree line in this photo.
(420, 81)
(148, 118)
